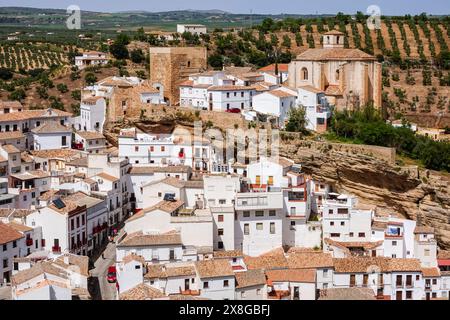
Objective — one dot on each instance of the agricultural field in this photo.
(27, 56)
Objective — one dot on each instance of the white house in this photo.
(318, 112)
(51, 135)
(275, 103)
(159, 149)
(12, 244)
(92, 114)
(216, 279)
(197, 29)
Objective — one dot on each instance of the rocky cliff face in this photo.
(419, 195)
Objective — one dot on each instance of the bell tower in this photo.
(333, 39)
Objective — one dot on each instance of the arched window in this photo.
(304, 74)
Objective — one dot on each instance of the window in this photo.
(64, 140)
(246, 214)
(5, 263)
(228, 94)
(331, 223)
(342, 223)
(163, 148)
(408, 294)
(136, 149)
(325, 273)
(272, 213)
(152, 148)
(434, 281)
(272, 228)
(14, 244)
(5, 247)
(270, 181)
(205, 285)
(242, 294)
(220, 232)
(259, 226)
(220, 218)
(342, 210)
(426, 252)
(259, 213)
(222, 201)
(246, 229)
(361, 234)
(225, 283)
(258, 180)
(335, 235)
(304, 74)
(394, 243)
(220, 245)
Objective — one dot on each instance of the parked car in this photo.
(112, 274)
(234, 110)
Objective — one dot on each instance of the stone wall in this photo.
(381, 153)
(170, 66)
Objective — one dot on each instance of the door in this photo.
(186, 284)
(398, 295)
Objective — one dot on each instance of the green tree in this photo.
(137, 56)
(216, 61)
(297, 120)
(90, 78)
(119, 48)
(62, 87)
(18, 94)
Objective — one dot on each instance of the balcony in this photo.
(56, 249)
(260, 200)
(189, 292)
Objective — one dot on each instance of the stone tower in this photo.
(333, 39)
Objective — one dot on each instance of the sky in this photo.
(388, 7)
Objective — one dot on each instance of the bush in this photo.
(62, 88)
(90, 78)
(367, 126)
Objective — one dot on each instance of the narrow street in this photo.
(99, 287)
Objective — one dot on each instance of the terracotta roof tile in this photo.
(347, 294)
(214, 268)
(90, 135)
(324, 54)
(306, 260)
(250, 278)
(51, 127)
(291, 275)
(431, 272)
(423, 229)
(140, 239)
(141, 292)
(274, 259)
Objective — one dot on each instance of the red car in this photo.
(112, 276)
(234, 110)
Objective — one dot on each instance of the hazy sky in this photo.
(389, 7)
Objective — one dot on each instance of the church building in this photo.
(350, 78)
